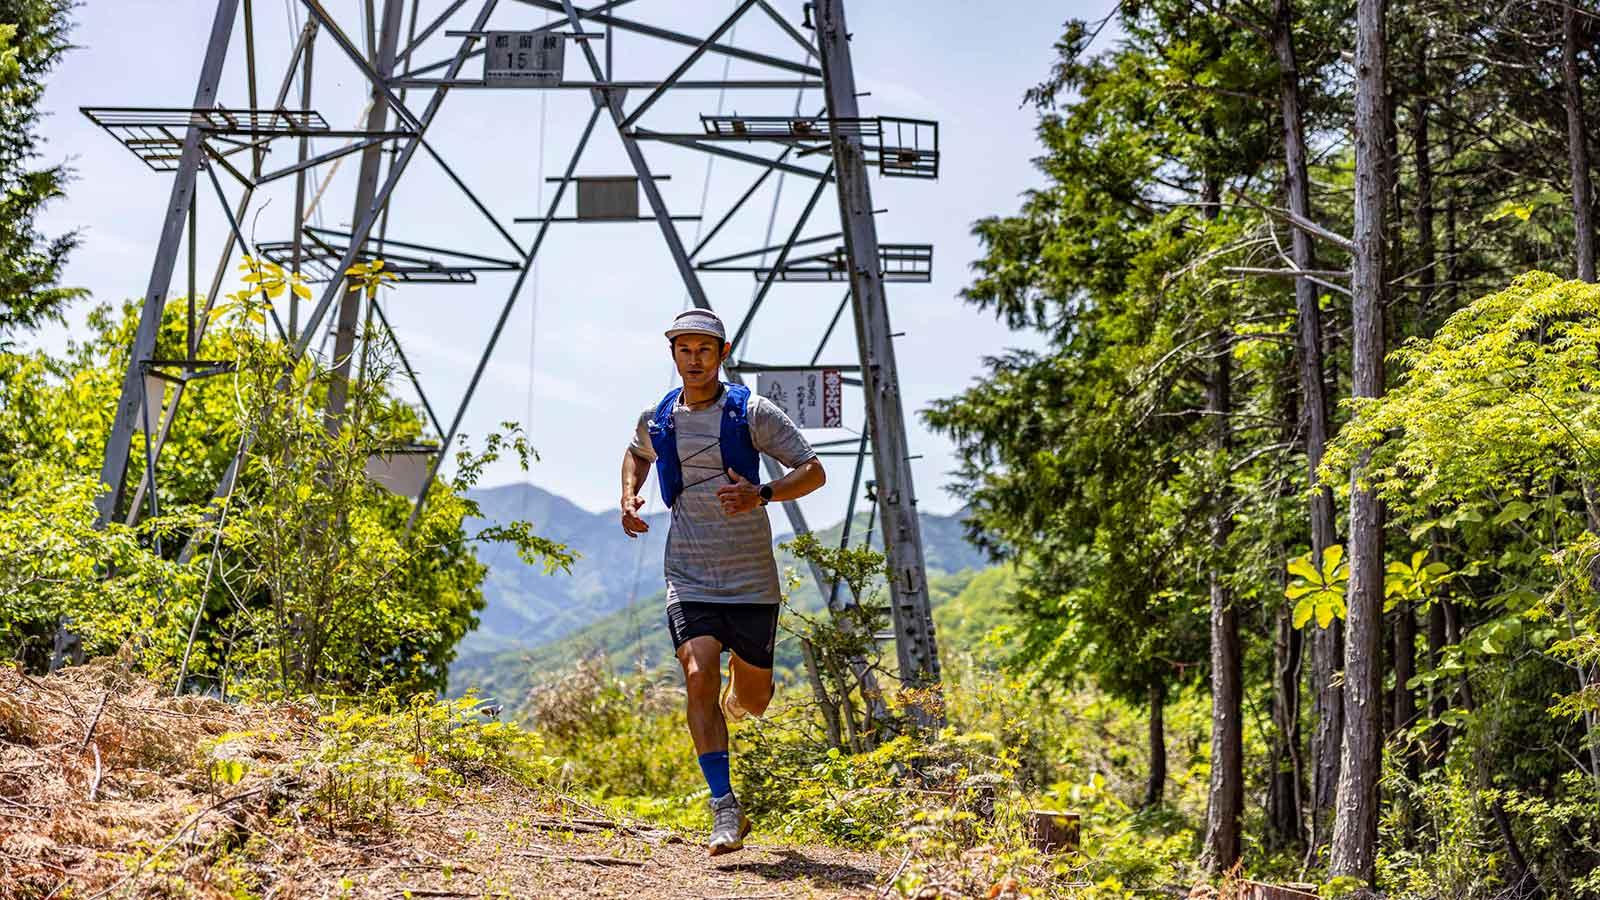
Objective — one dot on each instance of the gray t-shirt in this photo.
(712, 557)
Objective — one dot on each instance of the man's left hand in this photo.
(739, 497)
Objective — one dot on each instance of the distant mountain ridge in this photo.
(527, 608)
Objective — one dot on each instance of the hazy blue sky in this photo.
(590, 322)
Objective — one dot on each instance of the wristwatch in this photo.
(766, 494)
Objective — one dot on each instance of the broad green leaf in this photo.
(1303, 611)
(1515, 511)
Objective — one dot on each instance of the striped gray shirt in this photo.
(711, 557)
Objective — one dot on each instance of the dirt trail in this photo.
(479, 855)
(105, 792)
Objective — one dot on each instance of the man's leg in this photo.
(752, 685)
(701, 658)
(702, 673)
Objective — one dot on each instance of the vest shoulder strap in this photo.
(662, 420)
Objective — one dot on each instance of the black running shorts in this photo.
(748, 629)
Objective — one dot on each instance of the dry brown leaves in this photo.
(157, 826)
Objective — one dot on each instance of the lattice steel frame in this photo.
(204, 137)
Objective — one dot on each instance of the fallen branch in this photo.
(889, 885)
(574, 827)
(193, 820)
(590, 859)
(94, 786)
(83, 744)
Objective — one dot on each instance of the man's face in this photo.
(698, 357)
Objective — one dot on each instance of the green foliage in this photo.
(306, 577)
(1151, 456)
(979, 619)
(1502, 396)
(375, 755)
(1414, 582)
(33, 38)
(625, 739)
(858, 567)
(840, 650)
(1492, 423)
(1014, 743)
(1318, 589)
(1438, 846)
(51, 556)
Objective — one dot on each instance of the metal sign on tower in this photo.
(461, 45)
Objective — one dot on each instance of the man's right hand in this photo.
(632, 525)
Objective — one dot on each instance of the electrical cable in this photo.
(650, 500)
(533, 299)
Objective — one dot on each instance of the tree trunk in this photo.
(1438, 698)
(830, 712)
(1518, 877)
(1452, 218)
(1405, 667)
(1355, 829)
(1577, 143)
(1156, 788)
(1405, 635)
(1327, 646)
(1226, 799)
(1422, 155)
(1283, 791)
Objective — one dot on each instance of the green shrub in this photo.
(370, 760)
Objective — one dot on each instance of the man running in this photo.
(722, 579)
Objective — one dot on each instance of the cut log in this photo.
(1053, 831)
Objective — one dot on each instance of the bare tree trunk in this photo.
(1285, 784)
(1422, 155)
(1156, 788)
(1438, 700)
(1327, 646)
(847, 710)
(830, 712)
(1577, 142)
(1427, 271)
(1283, 791)
(1226, 798)
(1355, 829)
(1519, 876)
(1583, 225)
(1405, 668)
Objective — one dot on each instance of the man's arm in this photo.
(742, 496)
(800, 481)
(635, 469)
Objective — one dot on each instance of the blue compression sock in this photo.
(715, 767)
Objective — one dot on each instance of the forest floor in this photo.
(110, 789)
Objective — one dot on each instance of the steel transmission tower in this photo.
(457, 45)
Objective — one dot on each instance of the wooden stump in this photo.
(1255, 890)
(1053, 831)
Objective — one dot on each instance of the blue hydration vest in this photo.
(738, 451)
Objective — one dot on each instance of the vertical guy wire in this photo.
(650, 498)
(533, 298)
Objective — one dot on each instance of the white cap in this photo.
(698, 321)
